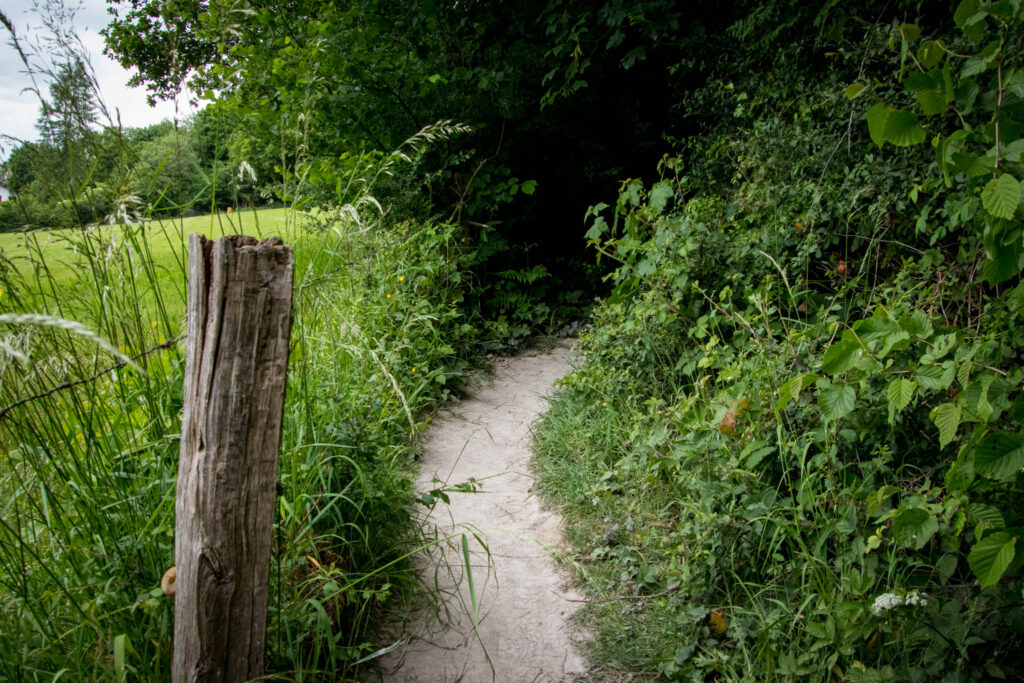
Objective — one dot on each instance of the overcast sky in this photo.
(19, 111)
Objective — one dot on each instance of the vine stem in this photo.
(999, 100)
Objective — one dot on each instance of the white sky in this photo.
(20, 110)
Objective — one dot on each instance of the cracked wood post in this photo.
(236, 362)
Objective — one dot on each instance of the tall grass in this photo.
(90, 415)
(87, 473)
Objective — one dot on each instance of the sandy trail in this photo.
(523, 634)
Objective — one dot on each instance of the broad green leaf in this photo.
(910, 32)
(965, 12)
(842, 355)
(660, 194)
(984, 517)
(1001, 196)
(1003, 249)
(972, 164)
(917, 324)
(946, 417)
(930, 53)
(854, 89)
(913, 527)
(975, 397)
(900, 392)
(990, 557)
(902, 128)
(932, 102)
(945, 566)
(1000, 456)
(790, 391)
(1013, 82)
(835, 400)
(929, 89)
(935, 376)
(877, 116)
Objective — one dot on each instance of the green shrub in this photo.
(792, 447)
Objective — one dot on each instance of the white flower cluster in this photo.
(888, 601)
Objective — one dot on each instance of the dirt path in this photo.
(522, 633)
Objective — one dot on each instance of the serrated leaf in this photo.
(935, 376)
(1013, 82)
(900, 393)
(946, 417)
(983, 517)
(917, 324)
(910, 32)
(789, 391)
(1001, 196)
(965, 11)
(1003, 257)
(990, 557)
(976, 396)
(930, 53)
(854, 89)
(877, 116)
(972, 164)
(902, 128)
(932, 102)
(1000, 456)
(842, 355)
(913, 527)
(835, 400)
(660, 194)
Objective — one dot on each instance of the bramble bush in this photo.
(795, 433)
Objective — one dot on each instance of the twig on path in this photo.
(671, 589)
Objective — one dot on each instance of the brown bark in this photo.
(239, 321)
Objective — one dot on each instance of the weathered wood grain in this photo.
(239, 321)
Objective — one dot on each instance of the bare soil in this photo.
(522, 631)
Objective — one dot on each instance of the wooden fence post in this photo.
(239, 321)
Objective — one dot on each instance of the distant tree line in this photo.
(82, 171)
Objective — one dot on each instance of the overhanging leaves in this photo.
(990, 557)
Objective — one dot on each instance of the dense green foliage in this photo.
(797, 421)
(794, 443)
(88, 472)
(78, 175)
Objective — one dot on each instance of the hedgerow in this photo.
(793, 445)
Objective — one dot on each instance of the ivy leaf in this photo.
(900, 392)
(1000, 456)
(1001, 196)
(947, 418)
(902, 128)
(877, 117)
(913, 527)
(835, 400)
(990, 557)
